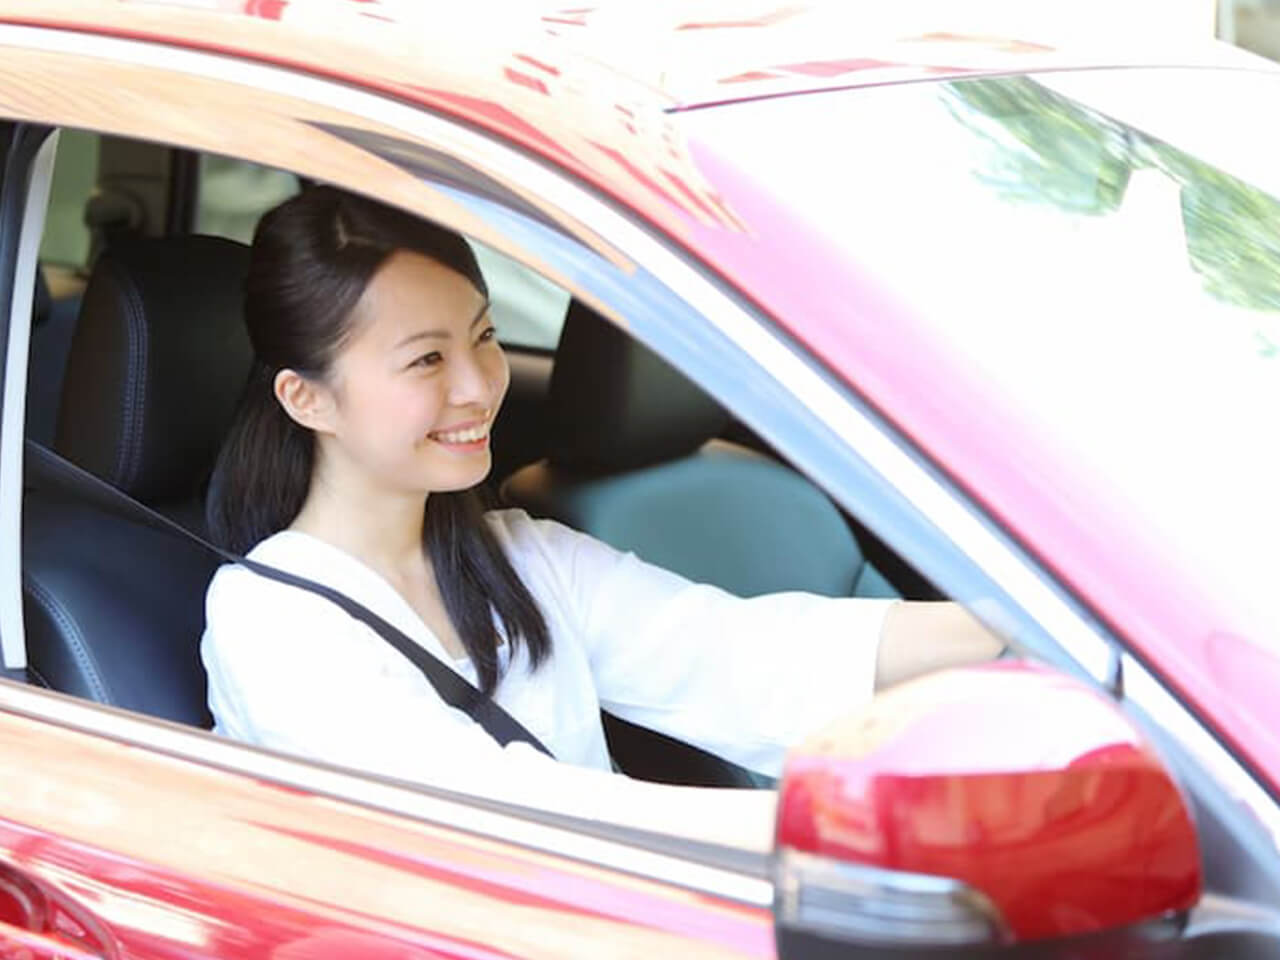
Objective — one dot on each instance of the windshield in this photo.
(1102, 247)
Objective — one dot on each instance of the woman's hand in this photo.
(919, 637)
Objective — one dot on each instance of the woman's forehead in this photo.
(411, 293)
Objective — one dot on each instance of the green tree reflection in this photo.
(1049, 149)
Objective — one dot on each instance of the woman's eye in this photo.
(428, 359)
(490, 333)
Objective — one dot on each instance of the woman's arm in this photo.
(918, 637)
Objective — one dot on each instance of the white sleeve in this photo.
(290, 672)
(743, 678)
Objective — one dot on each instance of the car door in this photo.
(114, 847)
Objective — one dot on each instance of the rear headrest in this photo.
(157, 364)
(615, 405)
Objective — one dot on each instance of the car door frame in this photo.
(25, 179)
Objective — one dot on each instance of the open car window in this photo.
(722, 481)
(528, 309)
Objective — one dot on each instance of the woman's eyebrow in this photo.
(442, 334)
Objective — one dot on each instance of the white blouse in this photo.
(742, 678)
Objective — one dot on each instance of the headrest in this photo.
(613, 404)
(157, 364)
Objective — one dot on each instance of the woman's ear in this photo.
(307, 402)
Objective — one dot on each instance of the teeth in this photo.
(463, 436)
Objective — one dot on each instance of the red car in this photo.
(923, 306)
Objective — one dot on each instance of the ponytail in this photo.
(263, 471)
(477, 581)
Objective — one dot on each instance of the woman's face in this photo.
(417, 385)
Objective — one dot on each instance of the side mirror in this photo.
(977, 808)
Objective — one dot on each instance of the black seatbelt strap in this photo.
(452, 688)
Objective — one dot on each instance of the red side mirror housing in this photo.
(992, 804)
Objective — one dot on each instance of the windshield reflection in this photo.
(1045, 148)
(1099, 253)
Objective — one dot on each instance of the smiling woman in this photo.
(339, 431)
(355, 462)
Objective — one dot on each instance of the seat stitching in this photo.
(129, 456)
(75, 639)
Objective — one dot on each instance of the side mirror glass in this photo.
(981, 807)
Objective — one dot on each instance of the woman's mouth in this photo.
(473, 437)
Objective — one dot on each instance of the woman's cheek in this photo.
(407, 411)
(500, 376)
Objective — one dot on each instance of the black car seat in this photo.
(632, 460)
(114, 609)
(53, 322)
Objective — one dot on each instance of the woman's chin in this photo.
(459, 478)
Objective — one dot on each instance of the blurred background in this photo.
(1252, 24)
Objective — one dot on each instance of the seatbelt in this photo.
(452, 688)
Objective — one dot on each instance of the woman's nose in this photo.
(471, 381)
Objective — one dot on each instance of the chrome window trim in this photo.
(885, 453)
(1143, 689)
(14, 412)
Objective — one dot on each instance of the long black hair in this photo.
(313, 256)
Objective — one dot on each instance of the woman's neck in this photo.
(380, 527)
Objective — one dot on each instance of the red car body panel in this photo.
(1055, 806)
(231, 872)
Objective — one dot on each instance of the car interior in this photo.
(138, 355)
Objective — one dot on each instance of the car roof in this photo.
(590, 88)
(690, 54)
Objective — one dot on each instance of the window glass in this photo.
(75, 172)
(234, 194)
(528, 310)
(1104, 249)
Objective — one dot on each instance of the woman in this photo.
(352, 462)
